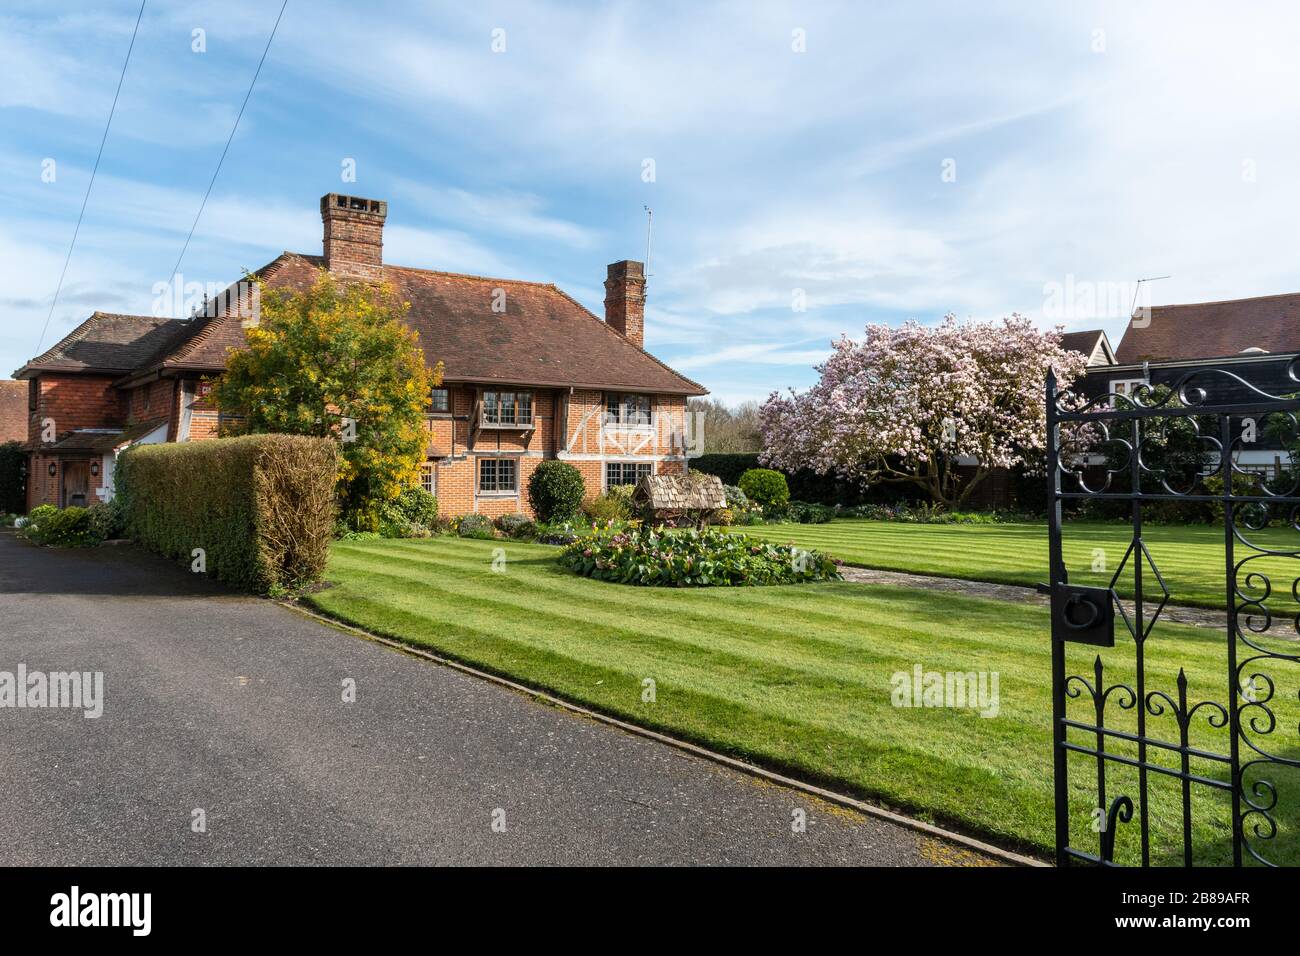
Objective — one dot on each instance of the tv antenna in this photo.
(1138, 288)
(649, 222)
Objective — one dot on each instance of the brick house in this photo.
(529, 375)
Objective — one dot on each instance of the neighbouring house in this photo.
(1255, 339)
(13, 411)
(529, 374)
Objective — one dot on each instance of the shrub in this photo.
(690, 558)
(558, 532)
(766, 488)
(737, 500)
(418, 506)
(614, 505)
(108, 519)
(412, 514)
(66, 528)
(261, 507)
(516, 525)
(807, 513)
(728, 466)
(555, 490)
(475, 526)
(13, 484)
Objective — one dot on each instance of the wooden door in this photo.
(76, 483)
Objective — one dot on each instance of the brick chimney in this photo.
(625, 300)
(354, 235)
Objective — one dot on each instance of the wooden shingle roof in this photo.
(694, 491)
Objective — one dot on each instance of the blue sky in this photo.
(915, 159)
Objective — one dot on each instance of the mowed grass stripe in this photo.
(827, 611)
(783, 667)
(1191, 559)
(811, 698)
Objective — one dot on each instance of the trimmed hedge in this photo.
(261, 507)
(806, 485)
(13, 484)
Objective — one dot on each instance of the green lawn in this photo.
(798, 678)
(1190, 558)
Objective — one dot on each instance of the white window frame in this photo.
(429, 470)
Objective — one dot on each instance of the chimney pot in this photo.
(625, 300)
(354, 235)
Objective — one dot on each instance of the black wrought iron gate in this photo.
(1177, 768)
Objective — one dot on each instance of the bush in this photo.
(475, 526)
(729, 467)
(66, 528)
(108, 519)
(766, 488)
(412, 514)
(13, 484)
(807, 513)
(737, 500)
(556, 490)
(689, 558)
(516, 525)
(261, 507)
(418, 506)
(614, 505)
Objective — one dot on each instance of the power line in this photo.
(103, 139)
(177, 268)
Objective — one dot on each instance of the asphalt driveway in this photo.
(233, 706)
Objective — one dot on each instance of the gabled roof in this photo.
(108, 342)
(13, 411)
(543, 338)
(1213, 329)
(1093, 343)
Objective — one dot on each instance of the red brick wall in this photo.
(152, 400)
(76, 401)
(590, 446)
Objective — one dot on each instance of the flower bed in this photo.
(689, 558)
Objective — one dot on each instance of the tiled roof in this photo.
(13, 411)
(101, 441)
(109, 342)
(1213, 329)
(543, 338)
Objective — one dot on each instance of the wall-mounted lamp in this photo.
(94, 468)
(54, 469)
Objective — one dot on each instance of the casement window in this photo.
(428, 478)
(626, 472)
(498, 475)
(439, 400)
(627, 409)
(506, 409)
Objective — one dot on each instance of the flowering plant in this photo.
(692, 558)
(906, 404)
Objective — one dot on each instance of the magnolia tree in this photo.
(906, 404)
